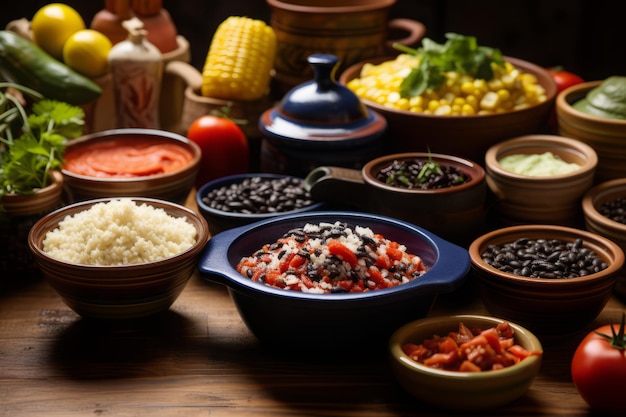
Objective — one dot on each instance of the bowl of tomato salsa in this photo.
(131, 163)
(465, 362)
(332, 278)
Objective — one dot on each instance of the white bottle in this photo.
(137, 71)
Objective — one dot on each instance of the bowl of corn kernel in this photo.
(434, 98)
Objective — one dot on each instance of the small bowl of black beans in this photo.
(552, 279)
(444, 194)
(241, 199)
(604, 208)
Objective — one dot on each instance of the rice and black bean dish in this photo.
(332, 258)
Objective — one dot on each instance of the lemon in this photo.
(87, 51)
(52, 25)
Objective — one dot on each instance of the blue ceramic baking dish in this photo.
(288, 317)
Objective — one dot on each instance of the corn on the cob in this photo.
(240, 60)
(460, 95)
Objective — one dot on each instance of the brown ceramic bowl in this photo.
(462, 391)
(596, 222)
(553, 199)
(546, 306)
(606, 136)
(118, 291)
(464, 136)
(173, 186)
(455, 213)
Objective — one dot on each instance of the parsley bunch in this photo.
(459, 53)
(33, 137)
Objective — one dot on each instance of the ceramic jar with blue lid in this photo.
(320, 122)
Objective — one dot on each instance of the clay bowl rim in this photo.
(512, 233)
(567, 97)
(467, 166)
(237, 178)
(600, 193)
(112, 134)
(353, 71)
(304, 8)
(39, 230)
(522, 144)
(410, 330)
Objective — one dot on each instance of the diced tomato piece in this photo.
(407, 348)
(257, 274)
(284, 263)
(467, 366)
(346, 284)
(383, 261)
(519, 351)
(394, 253)
(271, 278)
(493, 339)
(447, 344)
(441, 360)
(377, 277)
(297, 261)
(342, 251)
(306, 281)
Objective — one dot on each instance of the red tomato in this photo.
(564, 79)
(599, 369)
(225, 149)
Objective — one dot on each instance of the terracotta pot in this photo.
(606, 136)
(596, 222)
(464, 136)
(20, 213)
(454, 213)
(551, 199)
(549, 307)
(352, 30)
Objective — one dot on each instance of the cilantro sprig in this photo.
(459, 53)
(32, 137)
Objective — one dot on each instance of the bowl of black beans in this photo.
(552, 279)
(241, 199)
(444, 194)
(604, 208)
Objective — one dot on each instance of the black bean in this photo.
(258, 195)
(543, 258)
(405, 174)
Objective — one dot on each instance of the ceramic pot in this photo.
(552, 199)
(455, 213)
(353, 30)
(596, 222)
(464, 136)
(318, 121)
(19, 213)
(606, 136)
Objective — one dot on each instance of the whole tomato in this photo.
(564, 79)
(599, 369)
(225, 149)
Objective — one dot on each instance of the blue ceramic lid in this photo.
(321, 113)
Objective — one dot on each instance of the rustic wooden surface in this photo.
(199, 359)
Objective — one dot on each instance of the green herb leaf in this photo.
(459, 53)
(33, 138)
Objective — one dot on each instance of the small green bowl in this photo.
(462, 391)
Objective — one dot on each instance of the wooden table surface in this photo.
(199, 359)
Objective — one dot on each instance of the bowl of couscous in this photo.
(461, 118)
(332, 278)
(119, 258)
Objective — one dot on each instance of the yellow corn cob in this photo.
(240, 60)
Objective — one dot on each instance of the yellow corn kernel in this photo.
(490, 101)
(240, 60)
(467, 110)
(433, 105)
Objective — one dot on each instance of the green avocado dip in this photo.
(537, 165)
(606, 100)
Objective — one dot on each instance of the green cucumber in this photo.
(23, 62)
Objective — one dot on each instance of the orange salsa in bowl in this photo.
(127, 158)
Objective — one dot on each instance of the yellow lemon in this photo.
(87, 51)
(52, 25)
